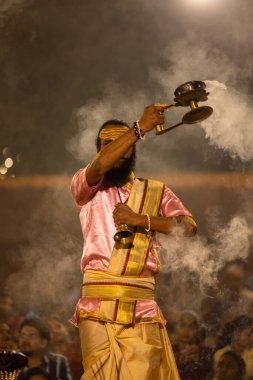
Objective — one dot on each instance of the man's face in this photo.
(59, 332)
(30, 341)
(122, 169)
(187, 329)
(243, 338)
(227, 368)
(6, 306)
(5, 336)
(104, 143)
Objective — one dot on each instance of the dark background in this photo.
(65, 67)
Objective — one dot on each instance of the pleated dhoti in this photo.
(124, 352)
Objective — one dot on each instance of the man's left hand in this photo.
(123, 214)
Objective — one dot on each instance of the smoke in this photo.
(196, 256)
(115, 105)
(230, 126)
(47, 277)
(12, 6)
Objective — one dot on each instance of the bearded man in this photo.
(121, 327)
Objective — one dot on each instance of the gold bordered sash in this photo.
(145, 198)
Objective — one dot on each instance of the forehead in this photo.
(188, 319)
(30, 330)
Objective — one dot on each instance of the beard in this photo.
(120, 174)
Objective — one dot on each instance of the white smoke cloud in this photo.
(196, 256)
(115, 105)
(230, 126)
(48, 270)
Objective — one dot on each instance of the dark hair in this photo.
(38, 323)
(108, 122)
(240, 323)
(37, 371)
(239, 361)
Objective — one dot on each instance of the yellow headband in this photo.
(112, 133)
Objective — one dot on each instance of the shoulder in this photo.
(55, 358)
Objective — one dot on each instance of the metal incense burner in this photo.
(188, 95)
(11, 364)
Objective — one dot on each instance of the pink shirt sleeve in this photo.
(171, 205)
(81, 191)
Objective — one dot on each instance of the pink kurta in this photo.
(96, 205)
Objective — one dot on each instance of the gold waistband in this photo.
(99, 284)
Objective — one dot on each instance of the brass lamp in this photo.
(188, 95)
(11, 364)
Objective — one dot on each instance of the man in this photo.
(7, 342)
(33, 341)
(194, 360)
(121, 327)
(238, 337)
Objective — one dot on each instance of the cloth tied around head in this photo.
(113, 133)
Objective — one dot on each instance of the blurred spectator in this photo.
(250, 270)
(37, 373)
(237, 337)
(7, 342)
(230, 366)
(8, 313)
(33, 341)
(194, 360)
(235, 298)
(210, 317)
(62, 343)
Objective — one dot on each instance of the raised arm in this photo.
(114, 150)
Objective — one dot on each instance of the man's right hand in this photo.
(153, 115)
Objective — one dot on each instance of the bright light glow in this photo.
(3, 170)
(8, 162)
(202, 2)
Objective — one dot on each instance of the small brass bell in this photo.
(124, 235)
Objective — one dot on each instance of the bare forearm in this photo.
(166, 225)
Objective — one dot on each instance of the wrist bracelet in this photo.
(149, 224)
(137, 131)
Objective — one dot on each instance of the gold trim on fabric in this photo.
(117, 291)
(145, 198)
(113, 132)
(97, 316)
(141, 242)
(99, 284)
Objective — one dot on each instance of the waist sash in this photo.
(102, 285)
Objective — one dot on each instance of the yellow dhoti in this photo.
(114, 347)
(118, 352)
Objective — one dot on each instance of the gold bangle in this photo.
(149, 224)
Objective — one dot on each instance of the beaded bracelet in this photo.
(137, 131)
(149, 223)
